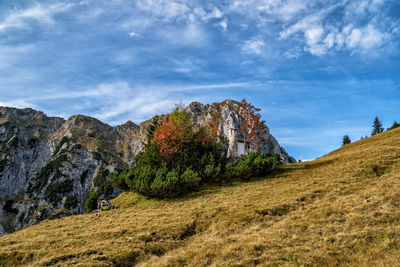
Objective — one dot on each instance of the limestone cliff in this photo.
(48, 165)
(229, 126)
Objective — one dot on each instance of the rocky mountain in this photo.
(49, 166)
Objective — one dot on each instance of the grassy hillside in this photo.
(341, 209)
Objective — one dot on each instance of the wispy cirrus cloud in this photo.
(119, 102)
(43, 14)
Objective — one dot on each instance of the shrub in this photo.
(91, 201)
(97, 156)
(190, 179)
(102, 183)
(46, 171)
(118, 181)
(211, 167)
(166, 184)
(143, 177)
(253, 164)
(152, 174)
(8, 207)
(54, 191)
(71, 202)
(64, 140)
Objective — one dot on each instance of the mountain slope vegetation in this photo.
(341, 209)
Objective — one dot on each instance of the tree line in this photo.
(377, 127)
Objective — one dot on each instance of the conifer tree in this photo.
(152, 127)
(377, 126)
(346, 140)
(395, 125)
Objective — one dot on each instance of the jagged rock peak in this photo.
(128, 124)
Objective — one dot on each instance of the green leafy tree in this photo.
(377, 126)
(395, 125)
(346, 140)
(91, 201)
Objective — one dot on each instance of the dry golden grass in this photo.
(342, 209)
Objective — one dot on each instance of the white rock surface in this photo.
(230, 126)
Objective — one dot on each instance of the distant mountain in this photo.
(49, 166)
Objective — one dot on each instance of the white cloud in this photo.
(254, 46)
(40, 13)
(288, 10)
(224, 24)
(215, 13)
(164, 9)
(142, 102)
(321, 36)
(361, 8)
(207, 87)
(313, 35)
(292, 53)
(134, 34)
(372, 38)
(119, 101)
(189, 35)
(246, 62)
(18, 104)
(187, 65)
(276, 9)
(354, 38)
(308, 22)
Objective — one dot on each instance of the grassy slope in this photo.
(341, 209)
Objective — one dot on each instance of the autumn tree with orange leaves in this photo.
(253, 128)
(175, 132)
(213, 125)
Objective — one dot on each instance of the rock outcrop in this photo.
(229, 126)
(49, 165)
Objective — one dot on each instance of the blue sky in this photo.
(318, 69)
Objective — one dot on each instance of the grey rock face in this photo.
(230, 124)
(49, 166)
